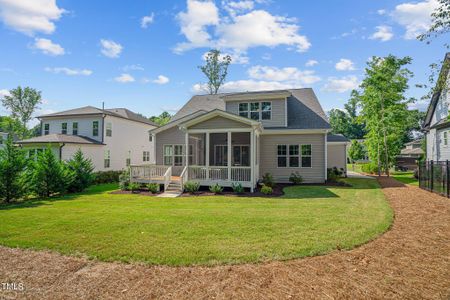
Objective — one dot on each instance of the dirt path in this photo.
(410, 261)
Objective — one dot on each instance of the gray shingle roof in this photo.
(91, 110)
(304, 109)
(60, 138)
(336, 138)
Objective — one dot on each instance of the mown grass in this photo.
(308, 220)
(406, 177)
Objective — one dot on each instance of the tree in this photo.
(12, 166)
(356, 151)
(12, 126)
(347, 122)
(414, 120)
(162, 119)
(384, 108)
(22, 103)
(48, 175)
(81, 169)
(440, 22)
(215, 69)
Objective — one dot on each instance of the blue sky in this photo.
(144, 54)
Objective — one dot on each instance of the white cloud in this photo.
(147, 20)
(341, 85)
(245, 85)
(68, 71)
(135, 67)
(414, 16)
(161, 80)
(124, 78)
(48, 47)
(289, 74)
(381, 12)
(110, 48)
(4, 92)
(238, 32)
(30, 16)
(234, 7)
(236, 57)
(345, 65)
(311, 63)
(383, 33)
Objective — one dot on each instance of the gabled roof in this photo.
(91, 110)
(336, 138)
(437, 94)
(221, 113)
(304, 109)
(60, 138)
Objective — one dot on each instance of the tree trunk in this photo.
(386, 155)
(378, 158)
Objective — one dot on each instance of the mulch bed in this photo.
(410, 261)
(142, 193)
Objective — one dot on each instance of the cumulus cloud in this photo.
(311, 63)
(48, 47)
(110, 48)
(382, 33)
(30, 16)
(341, 85)
(381, 12)
(68, 71)
(415, 17)
(147, 20)
(245, 85)
(161, 80)
(4, 92)
(124, 78)
(239, 32)
(345, 65)
(236, 57)
(288, 74)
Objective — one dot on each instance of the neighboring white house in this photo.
(112, 138)
(437, 120)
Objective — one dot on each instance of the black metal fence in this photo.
(434, 176)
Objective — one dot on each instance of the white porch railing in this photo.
(184, 177)
(147, 172)
(219, 173)
(167, 177)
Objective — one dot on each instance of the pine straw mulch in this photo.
(412, 260)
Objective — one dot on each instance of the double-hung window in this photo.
(46, 129)
(254, 111)
(266, 110)
(445, 138)
(282, 156)
(306, 156)
(64, 128)
(178, 155)
(294, 156)
(95, 128)
(108, 129)
(168, 153)
(146, 156)
(75, 128)
(107, 159)
(243, 110)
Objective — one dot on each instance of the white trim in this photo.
(176, 122)
(229, 154)
(293, 131)
(336, 143)
(216, 113)
(173, 155)
(220, 130)
(285, 113)
(207, 155)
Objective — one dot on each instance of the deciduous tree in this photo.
(215, 69)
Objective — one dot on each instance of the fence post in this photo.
(448, 179)
(431, 176)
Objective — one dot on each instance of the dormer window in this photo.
(256, 110)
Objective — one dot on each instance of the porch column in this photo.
(229, 154)
(207, 156)
(252, 160)
(186, 153)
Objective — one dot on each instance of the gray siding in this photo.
(337, 156)
(172, 136)
(219, 123)
(278, 111)
(269, 163)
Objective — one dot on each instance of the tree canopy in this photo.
(346, 122)
(215, 69)
(162, 119)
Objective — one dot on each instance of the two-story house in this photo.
(437, 120)
(112, 138)
(237, 138)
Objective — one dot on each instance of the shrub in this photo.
(216, 188)
(48, 175)
(296, 178)
(237, 188)
(370, 168)
(124, 180)
(153, 187)
(134, 187)
(191, 186)
(266, 190)
(334, 173)
(106, 177)
(416, 173)
(12, 166)
(81, 169)
(268, 180)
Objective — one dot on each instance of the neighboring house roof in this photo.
(304, 109)
(415, 142)
(415, 151)
(60, 138)
(91, 110)
(336, 138)
(437, 94)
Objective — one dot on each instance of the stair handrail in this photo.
(183, 177)
(167, 177)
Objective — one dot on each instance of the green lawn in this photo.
(308, 220)
(354, 167)
(406, 177)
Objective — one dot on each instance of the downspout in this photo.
(103, 122)
(60, 150)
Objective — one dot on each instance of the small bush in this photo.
(134, 187)
(334, 173)
(124, 180)
(266, 190)
(192, 187)
(268, 180)
(416, 173)
(216, 188)
(81, 169)
(237, 188)
(106, 177)
(370, 168)
(153, 187)
(296, 178)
